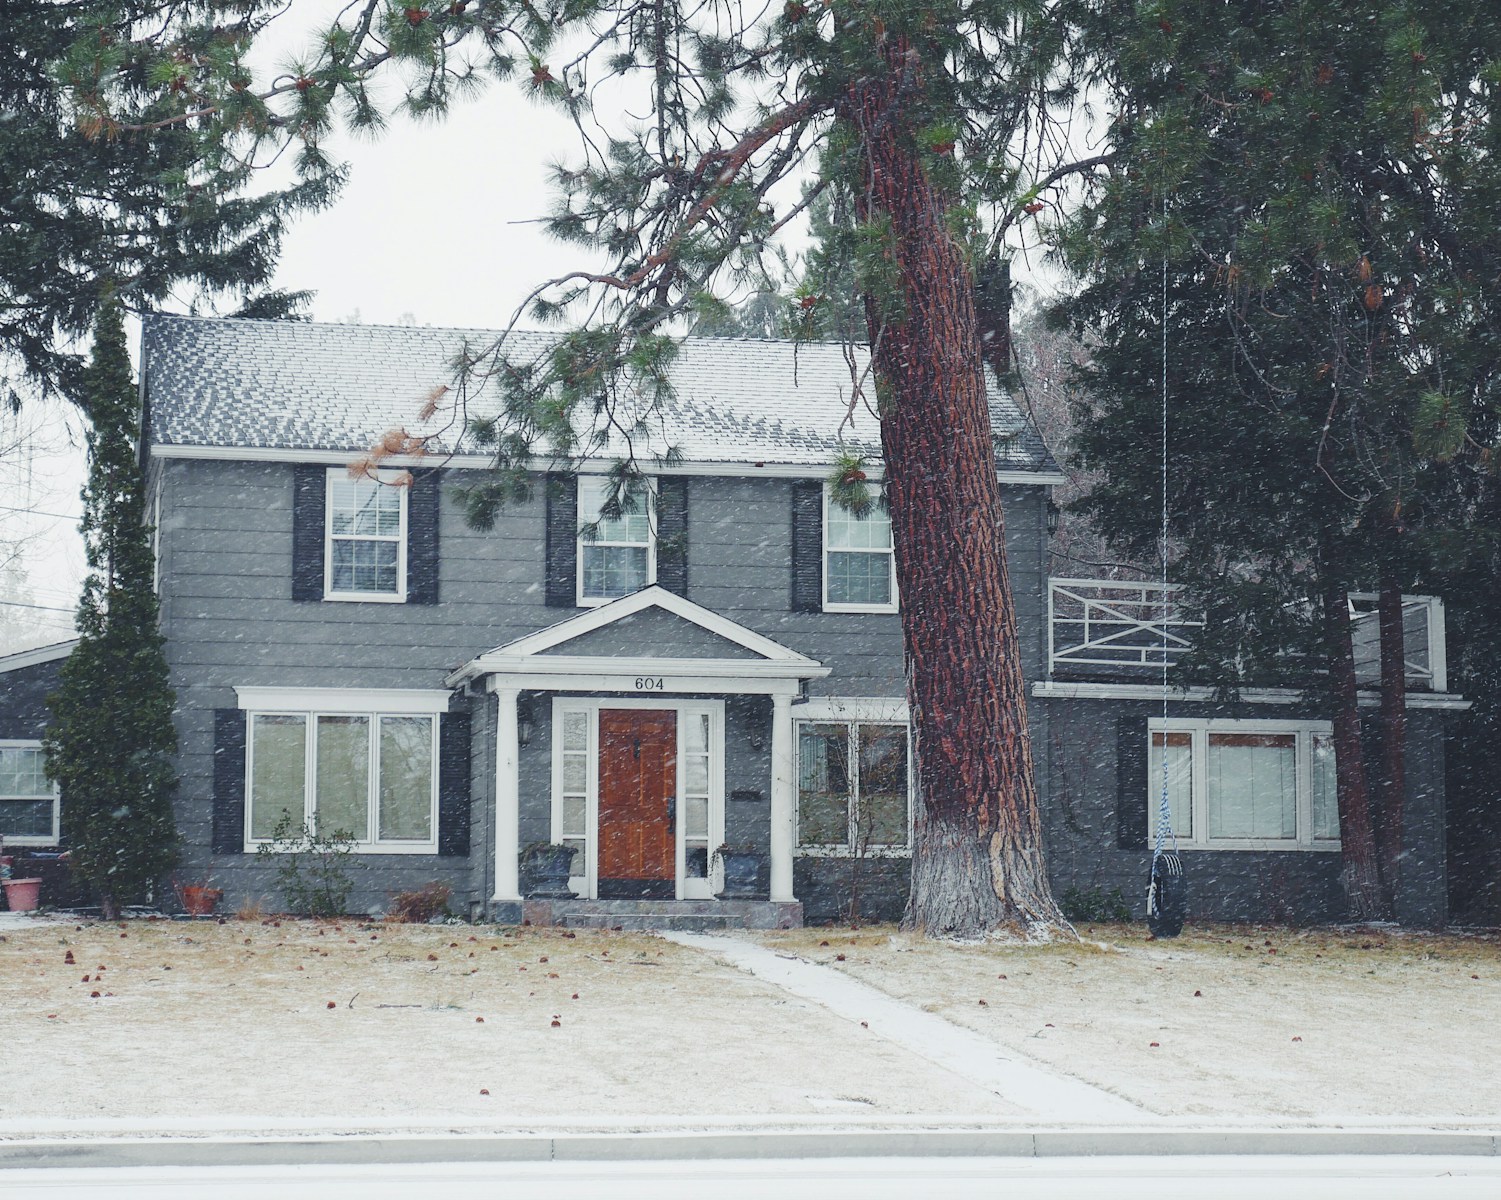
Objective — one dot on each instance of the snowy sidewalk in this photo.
(972, 1057)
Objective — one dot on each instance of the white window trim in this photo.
(399, 596)
(1200, 728)
(332, 702)
(890, 553)
(34, 744)
(587, 884)
(857, 710)
(581, 600)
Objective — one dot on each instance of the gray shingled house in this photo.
(722, 667)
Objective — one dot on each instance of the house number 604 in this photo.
(648, 683)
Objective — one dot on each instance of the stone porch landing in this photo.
(684, 915)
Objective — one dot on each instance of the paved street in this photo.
(1285, 1178)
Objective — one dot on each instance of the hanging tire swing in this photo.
(1167, 888)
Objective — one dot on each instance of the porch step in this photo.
(686, 915)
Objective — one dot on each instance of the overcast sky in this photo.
(436, 226)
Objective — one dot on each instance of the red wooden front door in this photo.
(637, 794)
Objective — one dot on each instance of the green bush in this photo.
(1094, 904)
(310, 867)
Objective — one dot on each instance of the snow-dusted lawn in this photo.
(1225, 1021)
(246, 1025)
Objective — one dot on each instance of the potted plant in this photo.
(742, 872)
(23, 895)
(199, 899)
(546, 867)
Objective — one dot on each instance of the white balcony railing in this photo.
(1106, 627)
(1103, 623)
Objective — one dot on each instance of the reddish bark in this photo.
(1393, 733)
(977, 862)
(1361, 874)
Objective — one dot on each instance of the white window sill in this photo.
(861, 608)
(1320, 847)
(361, 848)
(846, 852)
(366, 597)
(34, 843)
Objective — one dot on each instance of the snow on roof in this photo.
(296, 385)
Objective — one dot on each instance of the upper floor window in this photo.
(859, 569)
(617, 554)
(28, 799)
(366, 531)
(852, 787)
(1245, 785)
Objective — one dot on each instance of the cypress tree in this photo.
(111, 741)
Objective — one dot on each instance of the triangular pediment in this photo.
(652, 625)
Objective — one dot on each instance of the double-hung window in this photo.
(365, 554)
(369, 773)
(1245, 785)
(617, 554)
(28, 799)
(852, 787)
(859, 568)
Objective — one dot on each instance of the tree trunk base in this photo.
(966, 889)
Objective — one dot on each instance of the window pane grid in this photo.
(614, 553)
(23, 773)
(852, 786)
(1243, 788)
(365, 776)
(364, 521)
(858, 560)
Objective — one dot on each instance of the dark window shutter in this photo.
(807, 546)
(562, 540)
(310, 486)
(423, 503)
(672, 534)
(1131, 783)
(229, 781)
(453, 784)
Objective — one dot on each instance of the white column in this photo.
(507, 799)
(782, 809)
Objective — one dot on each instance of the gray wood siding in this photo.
(230, 620)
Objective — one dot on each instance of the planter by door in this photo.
(742, 870)
(200, 901)
(547, 870)
(23, 895)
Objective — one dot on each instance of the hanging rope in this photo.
(1166, 897)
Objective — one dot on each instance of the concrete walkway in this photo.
(1051, 1097)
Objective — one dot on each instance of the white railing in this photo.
(1103, 623)
(1422, 641)
(1103, 626)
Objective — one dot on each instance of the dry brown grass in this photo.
(1226, 1020)
(237, 1022)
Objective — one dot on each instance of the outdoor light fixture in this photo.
(524, 724)
(1055, 517)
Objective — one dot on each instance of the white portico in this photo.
(638, 691)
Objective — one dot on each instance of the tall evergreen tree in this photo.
(111, 742)
(1292, 242)
(924, 121)
(151, 208)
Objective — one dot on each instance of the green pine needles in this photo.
(111, 743)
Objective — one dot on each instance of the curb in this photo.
(578, 1148)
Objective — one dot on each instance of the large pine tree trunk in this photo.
(1393, 734)
(1357, 835)
(977, 864)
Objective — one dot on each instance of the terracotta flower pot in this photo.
(23, 895)
(200, 901)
